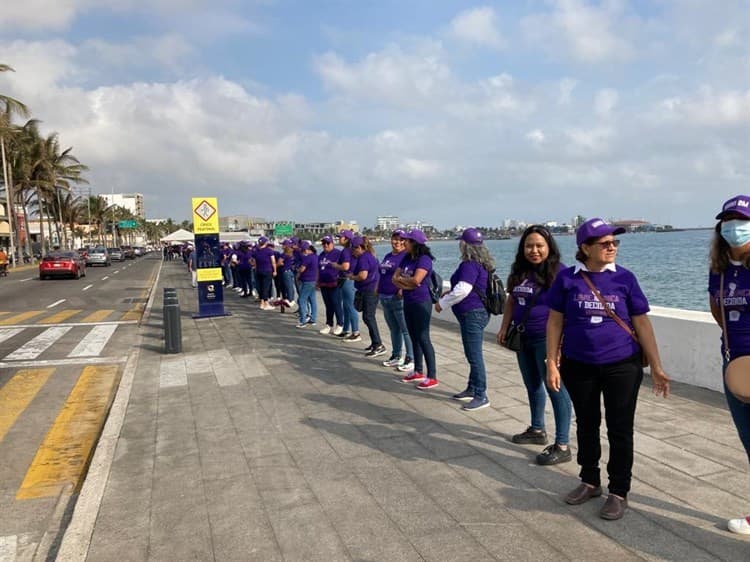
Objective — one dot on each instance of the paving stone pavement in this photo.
(265, 442)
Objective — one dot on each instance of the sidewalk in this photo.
(265, 442)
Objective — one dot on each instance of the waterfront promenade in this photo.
(265, 442)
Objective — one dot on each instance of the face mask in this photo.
(736, 232)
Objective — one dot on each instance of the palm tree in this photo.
(9, 107)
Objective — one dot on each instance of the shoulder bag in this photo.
(620, 322)
(515, 331)
(737, 372)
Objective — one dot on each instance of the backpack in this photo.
(436, 286)
(494, 298)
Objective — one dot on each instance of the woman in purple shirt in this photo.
(347, 262)
(328, 278)
(730, 250)
(392, 301)
(536, 266)
(411, 278)
(468, 282)
(307, 275)
(365, 276)
(601, 357)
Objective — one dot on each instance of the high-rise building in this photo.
(133, 202)
(386, 222)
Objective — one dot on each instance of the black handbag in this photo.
(359, 301)
(513, 339)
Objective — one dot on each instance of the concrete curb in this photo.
(77, 539)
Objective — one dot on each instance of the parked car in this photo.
(137, 250)
(128, 252)
(62, 264)
(98, 256)
(115, 254)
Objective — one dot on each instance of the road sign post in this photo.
(208, 271)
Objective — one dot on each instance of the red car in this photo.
(62, 264)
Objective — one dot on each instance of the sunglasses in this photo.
(607, 244)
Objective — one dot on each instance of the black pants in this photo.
(264, 284)
(418, 316)
(278, 283)
(369, 306)
(244, 280)
(334, 309)
(619, 384)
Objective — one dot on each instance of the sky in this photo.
(445, 111)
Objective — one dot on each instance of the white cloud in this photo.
(166, 51)
(710, 108)
(589, 142)
(588, 33)
(38, 14)
(536, 137)
(567, 85)
(605, 101)
(478, 26)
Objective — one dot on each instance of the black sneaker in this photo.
(343, 335)
(375, 351)
(553, 454)
(531, 437)
(369, 347)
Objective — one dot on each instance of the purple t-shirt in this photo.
(536, 323)
(408, 266)
(589, 335)
(288, 264)
(474, 274)
(327, 275)
(736, 295)
(387, 266)
(243, 259)
(263, 260)
(310, 261)
(369, 263)
(346, 257)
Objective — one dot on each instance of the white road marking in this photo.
(8, 547)
(74, 324)
(36, 346)
(93, 343)
(118, 271)
(27, 279)
(105, 277)
(87, 287)
(6, 334)
(54, 304)
(61, 362)
(172, 372)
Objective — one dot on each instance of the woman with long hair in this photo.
(535, 267)
(729, 277)
(345, 265)
(392, 301)
(366, 276)
(412, 278)
(599, 315)
(468, 283)
(307, 275)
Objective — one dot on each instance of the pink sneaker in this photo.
(428, 384)
(414, 377)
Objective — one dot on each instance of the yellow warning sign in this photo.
(209, 274)
(205, 215)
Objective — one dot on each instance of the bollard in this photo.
(172, 328)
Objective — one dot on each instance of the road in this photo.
(63, 347)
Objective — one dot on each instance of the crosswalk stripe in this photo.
(36, 346)
(18, 393)
(133, 314)
(93, 342)
(16, 318)
(61, 316)
(67, 448)
(98, 316)
(7, 333)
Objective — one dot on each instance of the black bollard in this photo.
(172, 322)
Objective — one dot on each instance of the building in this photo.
(315, 228)
(386, 223)
(234, 223)
(133, 202)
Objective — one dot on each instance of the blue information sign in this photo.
(208, 258)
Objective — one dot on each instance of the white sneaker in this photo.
(269, 307)
(325, 330)
(337, 330)
(740, 526)
(255, 293)
(407, 366)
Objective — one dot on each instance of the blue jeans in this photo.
(473, 323)
(740, 415)
(534, 373)
(308, 304)
(334, 309)
(393, 311)
(288, 278)
(418, 316)
(351, 316)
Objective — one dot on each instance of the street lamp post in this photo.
(9, 202)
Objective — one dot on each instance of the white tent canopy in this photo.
(179, 236)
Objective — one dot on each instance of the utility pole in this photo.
(9, 202)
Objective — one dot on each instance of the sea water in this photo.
(671, 267)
